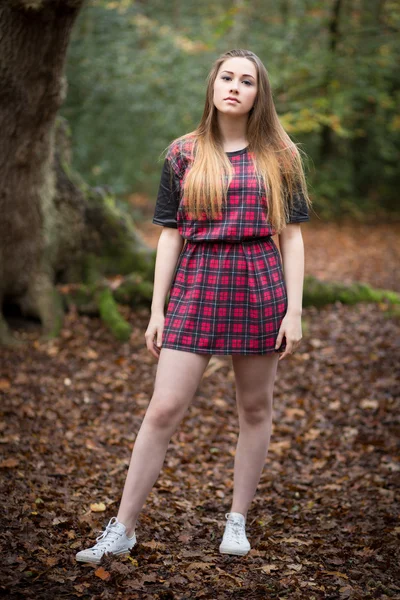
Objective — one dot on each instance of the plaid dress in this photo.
(228, 294)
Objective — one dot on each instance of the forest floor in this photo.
(325, 519)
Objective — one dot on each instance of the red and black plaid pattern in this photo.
(245, 214)
(226, 298)
(228, 294)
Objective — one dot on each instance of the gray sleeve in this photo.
(168, 197)
(298, 209)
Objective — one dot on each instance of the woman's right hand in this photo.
(154, 333)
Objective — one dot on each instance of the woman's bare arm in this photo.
(292, 250)
(169, 247)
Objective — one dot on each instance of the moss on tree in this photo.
(319, 293)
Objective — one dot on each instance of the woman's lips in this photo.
(231, 100)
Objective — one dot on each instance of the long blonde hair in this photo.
(276, 158)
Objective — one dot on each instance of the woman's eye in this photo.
(245, 81)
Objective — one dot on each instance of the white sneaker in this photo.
(113, 539)
(234, 540)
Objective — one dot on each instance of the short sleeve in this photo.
(298, 209)
(168, 197)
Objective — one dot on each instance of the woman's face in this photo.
(236, 78)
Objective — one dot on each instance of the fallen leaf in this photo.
(293, 540)
(295, 566)
(198, 565)
(224, 573)
(337, 573)
(154, 545)
(395, 530)
(279, 447)
(102, 573)
(59, 520)
(268, 568)
(346, 591)
(214, 365)
(9, 463)
(368, 403)
(5, 384)
(50, 561)
(292, 413)
(100, 507)
(312, 434)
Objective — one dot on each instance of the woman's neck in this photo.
(233, 131)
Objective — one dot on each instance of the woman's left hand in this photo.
(291, 329)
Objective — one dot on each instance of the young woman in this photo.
(225, 189)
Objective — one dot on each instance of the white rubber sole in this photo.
(235, 551)
(95, 560)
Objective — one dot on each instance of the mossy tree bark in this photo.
(50, 221)
(34, 37)
(53, 227)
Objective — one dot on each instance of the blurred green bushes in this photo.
(137, 78)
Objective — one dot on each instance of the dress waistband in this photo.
(226, 241)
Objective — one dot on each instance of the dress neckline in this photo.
(234, 152)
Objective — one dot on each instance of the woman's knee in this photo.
(164, 411)
(255, 409)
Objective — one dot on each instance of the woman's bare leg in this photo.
(255, 377)
(177, 379)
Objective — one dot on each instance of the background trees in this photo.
(53, 227)
(137, 75)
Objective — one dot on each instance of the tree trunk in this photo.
(364, 127)
(326, 143)
(34, 38)
(50, 221)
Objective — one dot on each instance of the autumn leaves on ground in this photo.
(324, 522)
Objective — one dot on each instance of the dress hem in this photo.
(219, 352)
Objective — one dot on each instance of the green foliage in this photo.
(137, 78)
(121, 249)
(108, 310)
(319, 293)
(134, 290)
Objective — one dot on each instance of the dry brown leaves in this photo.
(324, 522)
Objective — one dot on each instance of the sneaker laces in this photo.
(109, 534)
(235, 529)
